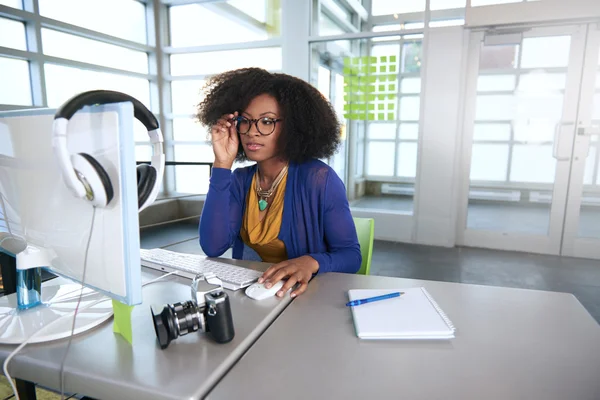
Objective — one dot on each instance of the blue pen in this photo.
(371, 299)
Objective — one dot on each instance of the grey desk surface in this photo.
(103, 365)
(510, 344)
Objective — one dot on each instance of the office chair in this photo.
(365, 229)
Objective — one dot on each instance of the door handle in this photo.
(557, 140)
(588, 130)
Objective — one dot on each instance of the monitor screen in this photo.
(37, 206)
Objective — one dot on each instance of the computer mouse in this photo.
(258, 291)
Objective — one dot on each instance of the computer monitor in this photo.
(38, 209)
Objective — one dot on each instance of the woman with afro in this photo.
(289, 208)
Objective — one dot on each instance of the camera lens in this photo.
(175, 320)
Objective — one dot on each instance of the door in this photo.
(523, 91)
(582, 221)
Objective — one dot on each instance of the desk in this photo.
(510, 344)
(103, 365)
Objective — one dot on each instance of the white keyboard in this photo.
(189, 265)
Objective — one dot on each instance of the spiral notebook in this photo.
(413, 315)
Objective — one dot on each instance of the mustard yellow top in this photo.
(261, 234)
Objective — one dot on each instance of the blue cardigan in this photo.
(316, 217)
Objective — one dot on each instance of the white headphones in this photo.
(84, 175)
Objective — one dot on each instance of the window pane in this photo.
(122, 18)
(324, 81)
(214, 62)
(411, 85)
(498, 57)
(407, 160)
(197, 24)
(535, 131)
(447, 22)
(386, 7)
(188, 129)
(532, 164)
(15, 82)
(360, 157)
(193, 179)
(381, 131)
(409, 131)
(143, 153)
(546, 52)
(194, 152)
(327, 27)
(495, 108)
(64, 82)
(495, 83)
(12, 3)
(186, 95)
(63, 45)
(380, 158)
(411, 57)
(491, 132)
(596, 110)
(489, 162)
(475, 3)
(409, 108)
(588, 176)
(447, 4)
(540, 81)
(12, 34)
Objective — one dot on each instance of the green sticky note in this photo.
(381, 116)
(347, 71)
(356, 60)
(346, 107)
(359, 107)
(364, 60)
(347, 116)
(371, 79)
(383, 59)
(391, 106)
(363, 69)
(362, 97)
(393, 59)
(382, 88)
(122, 322)
(392, 68)
(371, 107)
(354, 81)
(371, 97)
(371, 117)
(380, 106)
(390, 116)
(373, 69)
(346, 97)
(373, 60)
(381, 96)
(383, 69)
(347, 61)
(392, 87)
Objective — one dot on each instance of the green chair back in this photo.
(365, 229)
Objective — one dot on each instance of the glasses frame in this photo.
(254, 121)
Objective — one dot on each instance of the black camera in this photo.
(208, 311)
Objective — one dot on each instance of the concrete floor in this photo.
(501, 217)
(467, 265)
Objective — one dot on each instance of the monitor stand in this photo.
(58, 299)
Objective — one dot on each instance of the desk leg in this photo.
(26, 390)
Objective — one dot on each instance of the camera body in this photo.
(208, 311)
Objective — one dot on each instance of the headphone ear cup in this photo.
(95, 176)
(146, 178)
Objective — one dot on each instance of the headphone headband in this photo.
(77, 102)
(84, 175)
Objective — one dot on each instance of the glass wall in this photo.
(248, 36)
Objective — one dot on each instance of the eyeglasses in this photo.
(265, 126)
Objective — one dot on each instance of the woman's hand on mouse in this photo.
(225, 141)
(297, 270)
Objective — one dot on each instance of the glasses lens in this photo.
(266, 126)
(243, 125)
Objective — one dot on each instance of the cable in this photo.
(85, 259)
(74, 313)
